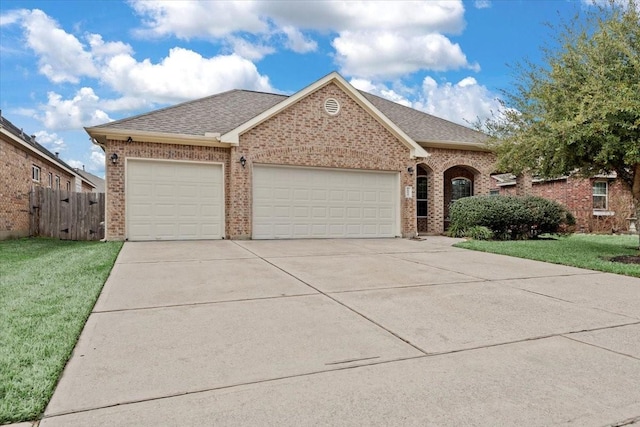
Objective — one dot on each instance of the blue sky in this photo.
(68, 64)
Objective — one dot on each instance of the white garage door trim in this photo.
(193, 208)
(292, 202)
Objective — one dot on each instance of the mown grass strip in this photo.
(47, 290)
(579, 250)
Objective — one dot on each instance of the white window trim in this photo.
(57, 182)
(35, 173)
(606, 198)
(50, 180)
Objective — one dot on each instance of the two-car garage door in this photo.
(175, 200)
(293, 202)
(172, 200)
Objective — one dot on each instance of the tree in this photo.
(578, 112)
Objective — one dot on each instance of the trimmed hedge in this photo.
(508, 217)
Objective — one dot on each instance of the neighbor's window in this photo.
(421, 196)
(494, 192)
(600, 195)
(50, 180)
(57, 187)
(35, 173)
(461, 187)
(68, 185)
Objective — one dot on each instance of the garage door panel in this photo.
(323, 203)
(174, 200)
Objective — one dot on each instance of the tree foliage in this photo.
(580, 110)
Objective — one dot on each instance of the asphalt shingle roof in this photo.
(224, 112)
(217, 113)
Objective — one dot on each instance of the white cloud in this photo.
(248, 50)
(96, 161)
(62, 56)
(482, 4)
(188, 19)
(297, 42)
(83, 109)
(386, 55)
(382, 91)
(406, 35)
(182, 75)
(462, 103)
(11, 17)
(51, 141)
(92, 161)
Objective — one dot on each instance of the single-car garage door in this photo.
(170, 200)
(292, 202)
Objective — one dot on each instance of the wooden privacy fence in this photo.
(67, 215)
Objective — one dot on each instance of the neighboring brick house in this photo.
(94, 179)
(327, 161)
(25, 164)
(600, 204)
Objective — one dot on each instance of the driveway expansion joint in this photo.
(344, 305)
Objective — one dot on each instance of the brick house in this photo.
(25, 164)
(600, 204)
(327, 161)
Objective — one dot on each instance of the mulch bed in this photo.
(627, 259)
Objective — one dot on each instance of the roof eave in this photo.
(101, 135)
(456, 145)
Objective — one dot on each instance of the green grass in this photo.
(47, 290)
(578, 250)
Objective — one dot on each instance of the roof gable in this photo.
(233, 136)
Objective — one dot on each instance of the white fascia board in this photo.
(233, 136)
(100, 135)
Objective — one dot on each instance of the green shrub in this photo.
(479, 232)
(508, 217)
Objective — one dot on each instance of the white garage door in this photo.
(291, 203)
(167, 200)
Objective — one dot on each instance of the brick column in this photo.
(524, 183)
(436, 209)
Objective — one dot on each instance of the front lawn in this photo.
(47, 290)
(578, 250)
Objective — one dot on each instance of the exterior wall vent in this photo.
(331, 106)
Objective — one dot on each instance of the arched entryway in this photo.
(459, 182)
(424, 198)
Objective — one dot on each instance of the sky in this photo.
(70, 64)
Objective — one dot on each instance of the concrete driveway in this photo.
(351, 332)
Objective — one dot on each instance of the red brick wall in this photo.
(478, 164)
(305, 135)
(577, 195)
(115, 174)
(16, 183)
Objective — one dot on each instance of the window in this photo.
(460, 187)
(68, 185)
(600, 195)
(494, 192)
(57, 187)
(35, 173)
(421, 196)
(50, 180)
